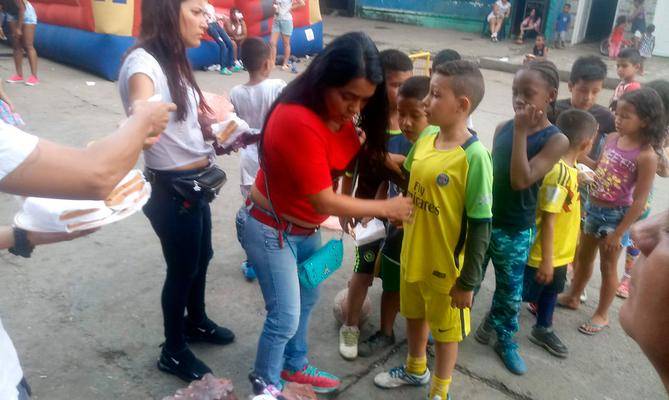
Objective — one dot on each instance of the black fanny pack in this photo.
(204, 184)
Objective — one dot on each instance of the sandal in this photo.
(623, 289)
(589, 328)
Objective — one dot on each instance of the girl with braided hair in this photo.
(524, 150)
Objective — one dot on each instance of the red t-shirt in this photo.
(302, 156)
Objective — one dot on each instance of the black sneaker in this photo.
(375, 343)
(546, 338)
(208, 332)
(183, 364)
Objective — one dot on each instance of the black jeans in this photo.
(184, 230)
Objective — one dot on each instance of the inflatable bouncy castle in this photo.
(94, 34)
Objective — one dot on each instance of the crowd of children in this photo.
(565, 179)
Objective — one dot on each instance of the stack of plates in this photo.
(57, 215)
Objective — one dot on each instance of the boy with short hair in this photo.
(397, 67)
(252, 101)
(554, 248)
(445, 243)
(586, 81)
(628, 64)
(414, 124)
(444, 56)
(562, 25)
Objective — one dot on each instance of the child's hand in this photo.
(362, 136)
(544, 274)
(527, 116)
(347, 225)
(394, 162)
(461, 298)
(611, 242)
(586, 178)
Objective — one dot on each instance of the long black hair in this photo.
(160, 36)
(661, 86)
(350, 56)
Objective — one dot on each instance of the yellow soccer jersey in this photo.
(559, 195)
(448, 187)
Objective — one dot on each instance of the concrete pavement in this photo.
(504, 56)
(85, 316)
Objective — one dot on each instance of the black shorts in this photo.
(365, 257)
(532, 289)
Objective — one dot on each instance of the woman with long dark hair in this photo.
(22, 21)
(180, 167)
(308, 140)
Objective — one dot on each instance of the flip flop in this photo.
(589, 328)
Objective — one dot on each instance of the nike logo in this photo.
(174, 361)
(442, 330)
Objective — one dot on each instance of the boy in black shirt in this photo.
(586, 81)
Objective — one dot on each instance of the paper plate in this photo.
(43, 215)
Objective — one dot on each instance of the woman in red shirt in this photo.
(308, 141)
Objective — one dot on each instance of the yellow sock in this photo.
(416, 366)
(439, 387)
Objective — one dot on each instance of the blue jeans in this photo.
(221, 38)
(283, 26)
(24, 390)
(283, 341)
(601, 221)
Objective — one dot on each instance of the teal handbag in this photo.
(323, 263)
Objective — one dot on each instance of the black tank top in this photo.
(514, 209)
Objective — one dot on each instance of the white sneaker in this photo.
(399, 376)
(348, 342)
(437, 397)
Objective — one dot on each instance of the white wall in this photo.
(661, 23)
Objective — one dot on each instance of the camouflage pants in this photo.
(508, 252)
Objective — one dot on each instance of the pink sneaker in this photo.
(15, 79)
(320, 381)
(32, 81)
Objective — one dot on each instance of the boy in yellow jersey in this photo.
(558, 227)
(444, 244)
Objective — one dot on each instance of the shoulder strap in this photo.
(282, 224)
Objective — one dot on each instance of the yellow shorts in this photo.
(419, 301)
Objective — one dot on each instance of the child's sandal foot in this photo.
(591, 329)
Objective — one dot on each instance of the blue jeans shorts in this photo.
(29, 18)
(601, 221)
(283, 26)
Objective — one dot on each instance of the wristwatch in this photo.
(22, 246)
